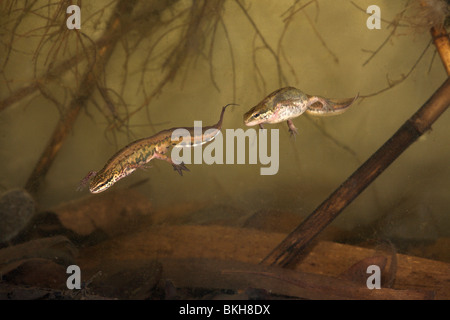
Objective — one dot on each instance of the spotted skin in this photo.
(139, 153)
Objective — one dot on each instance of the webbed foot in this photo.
(179, 168)
(292, 129)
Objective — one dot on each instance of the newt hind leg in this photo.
(292, 129)
(177, 167)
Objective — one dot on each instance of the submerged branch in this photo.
(81, 97)
(53, 72)
(403, 77)
(289, 250)
(202, 17)
(442, 43)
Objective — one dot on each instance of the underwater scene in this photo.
(224, 150)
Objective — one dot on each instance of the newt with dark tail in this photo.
(139, 153)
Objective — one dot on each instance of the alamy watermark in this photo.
(236, 142)
(374, 21)
(74, 19)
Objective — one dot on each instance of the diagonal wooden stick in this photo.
(288, 251)
(442, 43)
(86, 88)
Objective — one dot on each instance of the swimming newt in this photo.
(138, 153)
(287, 103)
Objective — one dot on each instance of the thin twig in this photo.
(58, 70)
(281, 77)
(322, 41)
(86, 88)
(393, 83)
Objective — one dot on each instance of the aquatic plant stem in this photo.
(85, 90)
(288, 252)
(442, 43)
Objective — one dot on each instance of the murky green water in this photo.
(189, 63)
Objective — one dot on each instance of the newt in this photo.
(139, 153)
(287, 103)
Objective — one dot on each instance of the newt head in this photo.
(273, 108)
(106, 178)
(259, 114)
(101, 182)
(109, 175)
